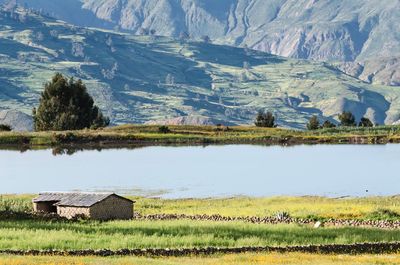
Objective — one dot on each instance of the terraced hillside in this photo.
(146, 78)
(362, 33)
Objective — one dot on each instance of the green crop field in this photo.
(115, 235)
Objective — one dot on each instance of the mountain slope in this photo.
(357, 31)
(147, 78)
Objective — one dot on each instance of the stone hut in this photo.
(97, 206)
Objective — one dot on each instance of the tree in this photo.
(66, 105)
(5, 128)
(365, 122)
(143, 31)
(328, 125)
(265, 119)
(164, 129)
(347, 119)
(313, 123)
(206, 39)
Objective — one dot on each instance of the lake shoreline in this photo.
(141, 135)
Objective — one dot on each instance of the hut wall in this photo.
(112, 208)
(70, 212)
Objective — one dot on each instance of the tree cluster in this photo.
(346, 118)
(265, 119)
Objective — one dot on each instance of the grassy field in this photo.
(48, 235)
(244, 259)
(115, 235)
(131, 135)
(300, 207)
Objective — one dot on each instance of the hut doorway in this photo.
(46, 207)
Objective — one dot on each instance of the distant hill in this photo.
(149, 78)
(364, 32)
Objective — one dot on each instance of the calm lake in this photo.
(212, 171)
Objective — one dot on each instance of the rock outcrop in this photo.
(18, 121)
(185, 120)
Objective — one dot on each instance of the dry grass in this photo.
(302, 207)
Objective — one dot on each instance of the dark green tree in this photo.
(164, 129)
(347, 119)
(5, 128)
(328, 125)
(365, 122)
(66, 105)
(265, 119)
(313, 123)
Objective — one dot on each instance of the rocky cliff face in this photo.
(359, 31)
(18, 121)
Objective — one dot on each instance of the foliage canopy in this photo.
(66, 105)
(347, 119)
(265, 119)
(313, 123)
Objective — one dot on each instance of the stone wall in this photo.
(383, 224)
(71, 212)
(113, 207)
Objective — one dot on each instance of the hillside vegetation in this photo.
(141, 79)
(362, 34)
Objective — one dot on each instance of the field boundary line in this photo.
(358, 248)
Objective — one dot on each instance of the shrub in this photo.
(164, 129)
(382, 214)
(313, 123)
(347, 119)
(282, 216)
(365, 122)
(265, 120)
(5, 128)
(66, 105)
(328, 125)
